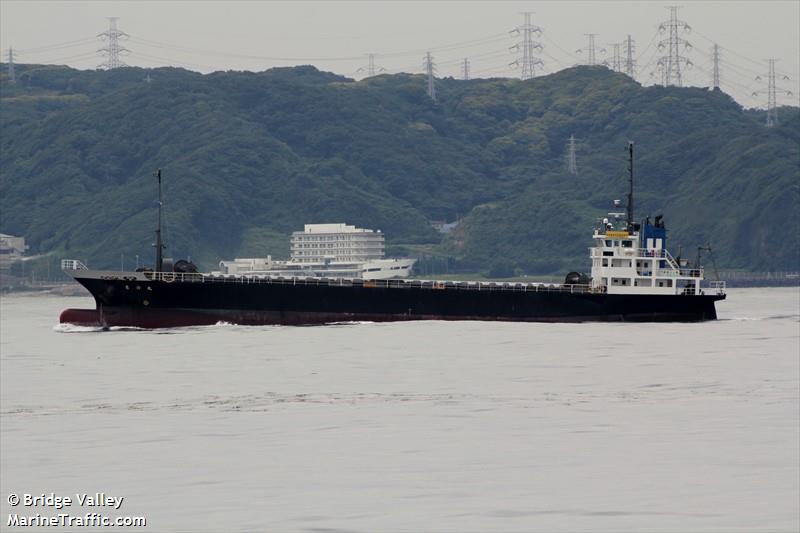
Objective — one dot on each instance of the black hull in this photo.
(154, 304)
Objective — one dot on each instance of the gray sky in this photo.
(337, 35)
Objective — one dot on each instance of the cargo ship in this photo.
(633, 278)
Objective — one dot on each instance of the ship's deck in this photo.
(178, 277)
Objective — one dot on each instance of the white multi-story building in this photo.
(337, 243)
(328, 250)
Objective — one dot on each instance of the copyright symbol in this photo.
(13, 499)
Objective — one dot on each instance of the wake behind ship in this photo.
(633, 278)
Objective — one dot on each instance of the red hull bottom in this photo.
(172, 318)
(80, 317)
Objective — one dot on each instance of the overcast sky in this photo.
(337, 36)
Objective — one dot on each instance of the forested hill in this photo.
(248, 158)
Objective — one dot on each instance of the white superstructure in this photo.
(636, 261)
(632, 258)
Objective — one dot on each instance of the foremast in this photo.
(159, 244)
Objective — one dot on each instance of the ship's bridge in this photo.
(636, 261)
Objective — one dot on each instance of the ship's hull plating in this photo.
(155, 304)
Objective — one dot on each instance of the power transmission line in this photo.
(652, 58)
(113, 49)
(191, 50)
(715, 72)
(76, 57)
(528, 62)
(590, 49)
(188, 50)
(772, 112)
(731, 70)
(430, 69)
(465, 69)
(740, 56)
(629, 65)
(670, 64)
(571, 55)
(554, 59)
(615, 63)
(11, 75)
(772, 94)
(572, 165)
(371, 68)
(169, 62)
(454, 46)
(58, 46)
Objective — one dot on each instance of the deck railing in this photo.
(673, 270)
(72, 264)
(180, 277)
(719, 287)
(679, 272)
(597, 251)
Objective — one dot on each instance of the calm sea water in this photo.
(434, 426)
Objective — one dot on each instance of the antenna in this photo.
(630, 191)
(159, 244)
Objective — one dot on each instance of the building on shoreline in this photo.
(328, 250)
(319, 243)
(12, 249)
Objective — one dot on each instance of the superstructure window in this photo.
(627, 244)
